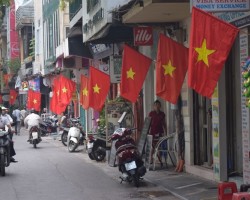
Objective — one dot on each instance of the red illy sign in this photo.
(143, 36)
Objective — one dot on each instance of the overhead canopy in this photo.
(113, 33)
(76, 47)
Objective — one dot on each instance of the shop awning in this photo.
(113, 33)
(76, 47)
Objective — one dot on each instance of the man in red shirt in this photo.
(158, 124)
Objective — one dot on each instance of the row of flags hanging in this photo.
(210, 43)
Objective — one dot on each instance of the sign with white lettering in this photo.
(143, 36)
(221, 5)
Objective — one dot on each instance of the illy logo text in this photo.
(143, 36)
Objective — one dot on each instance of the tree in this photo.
(4, 3)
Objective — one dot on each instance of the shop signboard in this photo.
(143, 36)
(24, 87)
(215, 131)
(221, 5)
(34, 84)
(244, 110)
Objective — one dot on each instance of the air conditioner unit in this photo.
(69, 62)
(73, 62)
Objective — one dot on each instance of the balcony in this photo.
(75, 13)
(74, 8)
(25, 15)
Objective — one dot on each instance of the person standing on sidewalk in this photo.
(17, 113)
(158, 126)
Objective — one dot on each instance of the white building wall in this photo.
(107, 6)
(39, 41)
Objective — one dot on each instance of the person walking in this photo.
(23, 115)
(17, 114)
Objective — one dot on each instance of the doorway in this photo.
(233, 126)
(203, 155)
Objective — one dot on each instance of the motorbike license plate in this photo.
(90, 145)
(34, 135)
(130, 166)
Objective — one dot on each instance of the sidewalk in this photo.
(183, 185)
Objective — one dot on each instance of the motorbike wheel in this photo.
(34, 143)
(72, 146)
(2, 165)
(91, 156)
(136, 179)
(99, 154)
(64, 138)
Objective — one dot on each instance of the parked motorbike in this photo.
(4, 151)
(76, 136)
(96, 148)
(35, 139)
(64, 129)
(128, 158)
(96, 145)
(48, 126)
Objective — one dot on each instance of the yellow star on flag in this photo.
(64, 89)
(85, 92)
(11, 97)
(96, 89)
(35, 101)
(130, 73)
(169, 69)
(204, 52)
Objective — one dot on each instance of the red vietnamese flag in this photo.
(35, 101)
(99, 85)
(134, 70)
(55, 105)
(171, 68)
(29, 99)
(67, 88)
(211, 40)
(13, 96)
(84, 92)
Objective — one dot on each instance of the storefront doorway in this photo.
(233, 119)
(202, 112)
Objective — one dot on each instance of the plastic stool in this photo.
(244, 187)
(226, 186)
(241, 196)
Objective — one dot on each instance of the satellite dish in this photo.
(6, 97)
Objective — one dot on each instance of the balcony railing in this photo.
(24, 16)
(74, 7)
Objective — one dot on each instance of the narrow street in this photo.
(50, 172)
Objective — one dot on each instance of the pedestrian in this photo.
(17, 114)
(158, 126)
(23, 115)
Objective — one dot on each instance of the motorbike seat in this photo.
(125, 147)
